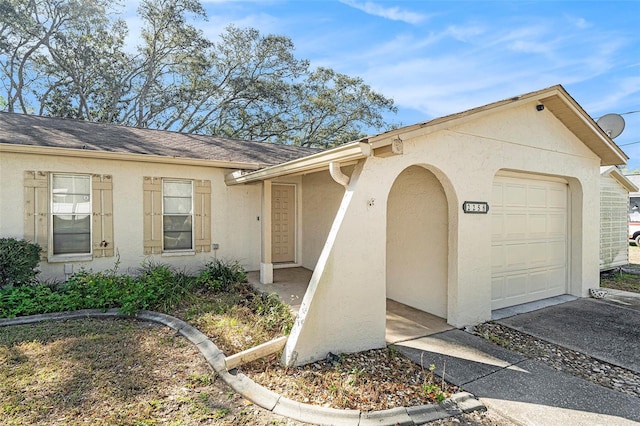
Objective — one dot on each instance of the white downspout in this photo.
(337, 175)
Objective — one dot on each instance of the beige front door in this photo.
(283, 223)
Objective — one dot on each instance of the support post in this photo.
(266, 264)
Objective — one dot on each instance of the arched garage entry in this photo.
(417, 242)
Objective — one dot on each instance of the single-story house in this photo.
(484, 209)
(614, 217)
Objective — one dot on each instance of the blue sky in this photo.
(440, 57)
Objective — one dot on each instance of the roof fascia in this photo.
(615, 173)
(559, 102)
(345, 153)
(124, 156)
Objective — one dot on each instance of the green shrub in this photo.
(18, 262)
(218, 275)
(274, 315)
(156, 287)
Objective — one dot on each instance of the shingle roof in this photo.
(74, 134)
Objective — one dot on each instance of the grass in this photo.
(624, 281)
(621, 281)
(126, 372)
(102, 372)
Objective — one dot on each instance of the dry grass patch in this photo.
(112, 372)
(373, 380)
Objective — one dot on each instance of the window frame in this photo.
(52, 255)
(192, 215)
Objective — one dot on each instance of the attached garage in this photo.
(458, 216)
(529, 239)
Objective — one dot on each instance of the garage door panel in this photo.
(498, 258)
(557, 253)
(538, 283)
(536, 197)
(558, 198)
(557, 225)
(497, 288)
(538, 225)
(516, 256)
(537, 254)
(515, 285)
(529, 246)
(514, 196)
(515, 226)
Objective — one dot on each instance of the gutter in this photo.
(125, 156)
(349, 152)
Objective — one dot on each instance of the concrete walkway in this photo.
(529, 392)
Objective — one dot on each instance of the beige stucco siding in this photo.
(321, 197)
(234, 212)
(465, 159)
(417, 241)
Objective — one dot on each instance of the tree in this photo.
(170, 52)
(86, 71)
(31, 64)
(67, 58)
(335, 108)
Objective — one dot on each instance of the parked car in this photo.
(634, 220)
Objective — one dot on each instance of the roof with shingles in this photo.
(33, 130)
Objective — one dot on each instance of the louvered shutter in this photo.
(36, 210)
(152, 208)
(202, 219)
(102, 206)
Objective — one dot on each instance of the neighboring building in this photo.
(488, 208)
(614, 218)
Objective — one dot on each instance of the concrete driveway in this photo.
(607, 329)
(529, 392)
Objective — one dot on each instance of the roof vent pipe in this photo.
(337, 175)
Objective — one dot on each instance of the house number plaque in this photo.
(476, 207)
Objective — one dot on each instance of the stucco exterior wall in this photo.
(465, 159)
(417, 242)
(233, 214)
(321, 197)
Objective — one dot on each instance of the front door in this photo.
(283, 222)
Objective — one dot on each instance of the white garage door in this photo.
(529, 240)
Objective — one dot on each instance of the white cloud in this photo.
(392, 13)
(465, 33)
(579, 23)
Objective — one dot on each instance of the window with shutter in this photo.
(69, 215)
(176, 215)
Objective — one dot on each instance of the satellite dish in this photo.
(612, 124)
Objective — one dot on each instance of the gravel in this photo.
(563, 359)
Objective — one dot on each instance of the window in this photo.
(71, 214)
(177, 215)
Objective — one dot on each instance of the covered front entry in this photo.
(417, 242)
(529, 216)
